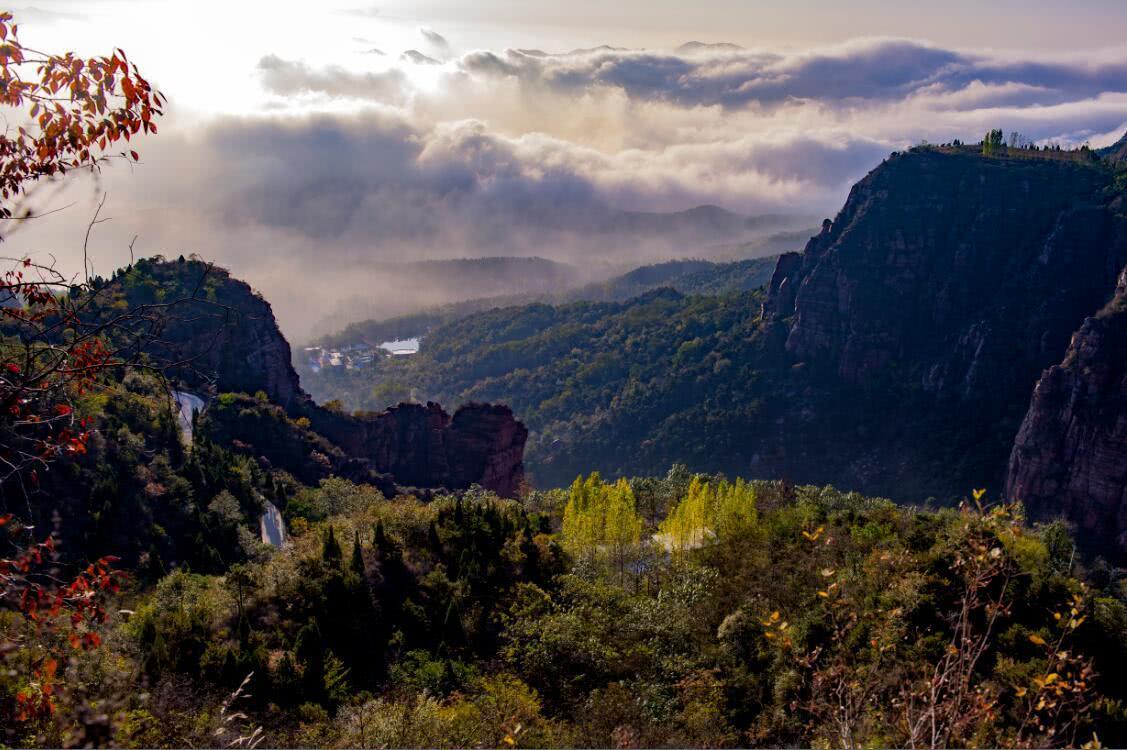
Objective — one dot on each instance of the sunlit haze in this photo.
(306, 142)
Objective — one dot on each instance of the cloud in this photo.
(526, 152)
(732, 77)
(285, 77)
(435, 42)
(415, 57)
(368, 11)
(32, 14)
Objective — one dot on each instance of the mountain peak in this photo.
(694, 46)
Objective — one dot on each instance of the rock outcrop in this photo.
(947, 268)
(1117, 152)
(422, 446)
(1070, 455)
(214, 329)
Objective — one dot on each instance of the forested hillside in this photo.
(870, 494)
(895, 355)
(685, 276)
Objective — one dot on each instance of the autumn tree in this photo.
(601, 521)
(709, 511)
(64, 113)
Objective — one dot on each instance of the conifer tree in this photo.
(356, 564)
(330, 549)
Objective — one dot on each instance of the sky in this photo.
(306, 143)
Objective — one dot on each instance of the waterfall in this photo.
(272, 526)
(186, 405)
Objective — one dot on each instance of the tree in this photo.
(309, 651)
(66, 113)
(622, 526)
(78, 108)
(601, 520)
(994, 143)
(356, 564)
(331, 552)
(241, 578)
(709, 511)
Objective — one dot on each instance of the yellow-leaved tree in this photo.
(601, 521)
(708, 511)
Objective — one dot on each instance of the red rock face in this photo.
(486, 447)
(1070, 455)
(422, 446)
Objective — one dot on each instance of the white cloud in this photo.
(525, 152)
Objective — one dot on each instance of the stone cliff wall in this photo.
(924, 314)
(947, 269)
(422, 446)
(1070, 455)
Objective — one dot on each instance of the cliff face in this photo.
(422, 446)
(947, 268)
(1070, 455)
(215, 328)
(924, 313)
(227, 340)
(1116, 152)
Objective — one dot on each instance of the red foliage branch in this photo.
(78, 108)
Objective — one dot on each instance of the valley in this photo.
(409, 390)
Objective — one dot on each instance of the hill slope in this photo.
(685, 276)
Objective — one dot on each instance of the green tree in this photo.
(330, 549)
(356, 564)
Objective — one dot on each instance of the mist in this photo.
(329, 196)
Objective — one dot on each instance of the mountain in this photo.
(947, 269)
(685, 276)
(588, 246)
(226, 340)
(692, 47)
(895, 355)
(398, 289)
(1116, 152)
(701, 224)
(951, 280)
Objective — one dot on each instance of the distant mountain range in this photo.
(685, 276)
(629, 239)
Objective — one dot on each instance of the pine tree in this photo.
(356, 564)
(330, 549)
(434, 542)
(310, 654)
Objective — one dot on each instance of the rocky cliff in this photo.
(947, 268)
(423, 446)
(213, 329)
(924, 313)
(1070, 455)
(1117, 152)
(223, 337)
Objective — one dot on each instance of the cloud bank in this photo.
(523, 152)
